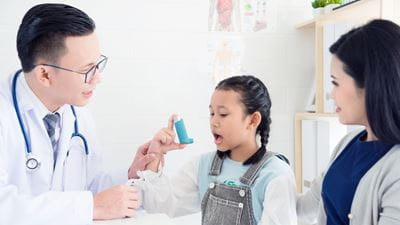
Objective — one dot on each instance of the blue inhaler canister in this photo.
(181, 131)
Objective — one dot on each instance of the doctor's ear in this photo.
(42, 75)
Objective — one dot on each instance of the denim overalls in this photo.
(230, 205)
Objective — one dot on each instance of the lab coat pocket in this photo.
(75, 171)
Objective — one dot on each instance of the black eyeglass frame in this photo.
(103, 59)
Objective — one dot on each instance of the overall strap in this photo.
(251, 174)
(216, 165)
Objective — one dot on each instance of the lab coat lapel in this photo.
(67, 128)
(40, 143)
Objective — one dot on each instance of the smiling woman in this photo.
(362, 184)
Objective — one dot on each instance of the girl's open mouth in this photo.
(217, 139)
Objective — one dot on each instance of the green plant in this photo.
(334, 2)
(315, 4)
(318, 3)
(322, 3)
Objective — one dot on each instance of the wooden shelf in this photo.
(297, 148)
(355, 11)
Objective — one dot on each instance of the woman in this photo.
(362, 183)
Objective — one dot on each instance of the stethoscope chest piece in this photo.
(32, 163)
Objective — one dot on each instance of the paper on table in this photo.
(141, 218)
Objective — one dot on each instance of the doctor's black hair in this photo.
(43, 31)
(255, 97)
(371, 56)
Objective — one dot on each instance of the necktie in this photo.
(50, 122)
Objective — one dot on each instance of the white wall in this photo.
(158, 66)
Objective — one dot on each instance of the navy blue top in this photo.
(345, 173)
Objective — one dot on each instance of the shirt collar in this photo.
(253, 159)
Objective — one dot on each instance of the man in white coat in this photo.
(49, 157)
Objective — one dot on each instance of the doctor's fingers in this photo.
(130, 212)
(131, 199)
(144, 147)
(142, 163)
(133, 204)
(132, 189)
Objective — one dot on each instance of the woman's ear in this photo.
(42, 75)
(255, 119)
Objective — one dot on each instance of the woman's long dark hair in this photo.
(371, 56)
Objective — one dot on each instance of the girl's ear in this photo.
(255, 119)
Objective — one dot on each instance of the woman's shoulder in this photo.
(392, 159)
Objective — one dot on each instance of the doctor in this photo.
(49, 156)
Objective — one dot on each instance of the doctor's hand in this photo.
(117, 202)
(140, 161)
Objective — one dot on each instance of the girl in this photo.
(362, 184)
(241, 182)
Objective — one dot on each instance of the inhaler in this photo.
(181, 131)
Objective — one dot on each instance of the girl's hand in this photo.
(164, 140)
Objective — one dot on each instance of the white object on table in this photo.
(141, 218)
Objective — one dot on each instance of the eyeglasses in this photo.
(90, 73)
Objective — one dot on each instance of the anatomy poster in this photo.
(225, 56)
(242, 15)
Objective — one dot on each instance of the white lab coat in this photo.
(63, 195)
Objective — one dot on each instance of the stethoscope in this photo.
(32, 162)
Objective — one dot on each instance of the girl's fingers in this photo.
(171, 121)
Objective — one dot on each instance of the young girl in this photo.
(241, 182)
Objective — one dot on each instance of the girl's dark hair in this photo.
(43, 31)
(371, 56)
(255, 97)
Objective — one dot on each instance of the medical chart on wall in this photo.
(230, 20)
(224, 15)
(259, 15)
(241, 15)
(225, 56)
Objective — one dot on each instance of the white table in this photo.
(141, 218)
